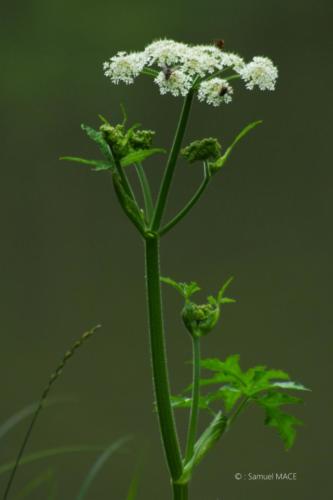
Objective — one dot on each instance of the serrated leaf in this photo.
(205, 442)
(95, 164)
(97, 136)
(229, 395)
(275, 417)
(220, 378)
(284, 423)
(139, 156)
(260, 379)
(276, 398)
(228, 367)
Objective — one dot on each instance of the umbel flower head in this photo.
(178, 68)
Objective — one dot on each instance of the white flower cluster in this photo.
(182, 66)
(262, 72)
(215, 91)
(177, 82)
(124, 67)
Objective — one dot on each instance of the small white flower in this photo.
(215, 91)
(200, 61)
(124, 67)
(232, 60)
(165, 53)
(174, 81)
(260, 71)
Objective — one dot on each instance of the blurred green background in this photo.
(69, 259)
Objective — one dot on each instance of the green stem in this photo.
(149, 72)
(159, 361)
(232, 77)
(172, 160)
(240, 408)
(124, 181)
(194, 413)
(147, 196)
(188, 206)
(180, 491)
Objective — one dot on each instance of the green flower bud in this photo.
(116, 138)
(123, 142)
(141, 139)
(200, 319)
(202, 150)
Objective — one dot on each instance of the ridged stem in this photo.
(159, 362)
(194, 413)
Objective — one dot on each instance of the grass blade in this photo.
(134, 487)
(15, 419)
(32, 485)
(48, 453)
(55, 375)
(100, 462)
(24, 413)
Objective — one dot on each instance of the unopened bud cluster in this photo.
(123, 141)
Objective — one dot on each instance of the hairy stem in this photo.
(172, 160)
(159, 361)
(195, 198)
(194, 413)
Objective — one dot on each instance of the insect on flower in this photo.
(219, 43)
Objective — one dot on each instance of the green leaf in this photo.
(139, 156)
(275, 417)
(221, 161)
(95, 164)
(100, 462)
(259, 378)
(228, 367)
(97, 136)
(185, 289)
(205, 442)
(290, 385)
(230, 395)
(220, 296)
(275, 399)
(284, 423)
